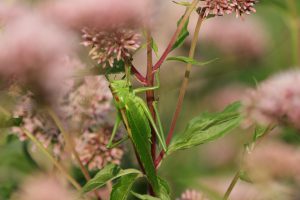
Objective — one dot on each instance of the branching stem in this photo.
(176, 34)
(183, 88)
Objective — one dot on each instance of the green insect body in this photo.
(137, 119)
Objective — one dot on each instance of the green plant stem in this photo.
(184, 86)
(293, 22)
(46, 152)
(150, 97)
(232, 185)
(237, 175)
(51, 158)
(69, 142)
(176, 34)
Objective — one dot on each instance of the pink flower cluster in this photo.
(276, 100)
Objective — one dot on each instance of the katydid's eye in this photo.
(117, 98)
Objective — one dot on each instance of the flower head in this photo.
(110, 46)
(38, 123)
(44, 187)
(276, 100)
(242, 7)
(33, 51)
(192, 195)
(98, 14)
(216, 7)
(93, 152)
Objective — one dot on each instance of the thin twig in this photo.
(183, 87)
(51, 158)
(232, 185)
(237, 175)
(175, 36)
(46, 152)
(69, 142)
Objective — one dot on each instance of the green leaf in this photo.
(154, 47)
(207, 127)
(164, 190)
(7, 121)
(190, 60)
(183, 34)
(108, 173)
(259, 132)
(144, 196)
(245, 177)
(182, 3)
(121, 189)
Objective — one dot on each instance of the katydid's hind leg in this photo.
(119, 142)
(159, 134)
(158, 118)
(145, 89)
(113, 134)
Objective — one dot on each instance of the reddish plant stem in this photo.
(183, 88)
(138, 75)
(150, 94)
(150, 97)
(175, 36)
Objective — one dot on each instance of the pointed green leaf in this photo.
(190, 60)
(154, 47)
(244, 176)
(182, 3)
(207, 127)
(164, 190)
(121, 189)
(108, 173)
(7, 121)
(144, 196)
(183, 34)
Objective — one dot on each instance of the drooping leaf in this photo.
(182, 3)
(190, 60)
(144, 196)
(121, 189)
(244, 176)
(7, 121)
(154, 47)
(183, 34)
(207, 127)
(164, 190)
(108, 173)
(259, 132)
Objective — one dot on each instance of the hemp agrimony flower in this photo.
(192, 195)
(216, 7)
(111, 46)
(243, 6)
(276, 100)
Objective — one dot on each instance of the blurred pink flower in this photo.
(243, 39)
(97, 14)
(192, 195)
(10, 12)
(34, 51)
(284, 158)
(93, 152)
(276, 100)
(226, 95)
(44, 187)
